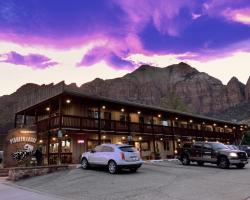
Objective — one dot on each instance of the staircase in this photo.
(4, 172)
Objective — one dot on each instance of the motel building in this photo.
(70, 123)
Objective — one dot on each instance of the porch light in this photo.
(193, 141)
(214, 124)
(176, 118)
(161, 139)
(68, 101)
(203, 123)
(179, 140)
(66, 135)
(54, 139)
(191, 121)
(103, 107)
(140, 138)
(104, 137)
(48, 109)
(175, 151)
(139, 112)
(225, 126)
(159, 115)
(40, 141)
(123, 138)
(241, 126)
(122, 110)
(206, 141)
(241, 129)
(234, 127)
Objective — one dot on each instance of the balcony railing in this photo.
(83, 123)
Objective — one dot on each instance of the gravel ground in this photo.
(158, 180)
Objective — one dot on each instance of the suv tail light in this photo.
(122, 156)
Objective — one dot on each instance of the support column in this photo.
(129, 130)
(15, 122)
(48, 146)
(48, 136)
(236, 136)
(152, 126)
(173, 134)
(99, 125)
(59, 139)
(203, 132)
(24, 121)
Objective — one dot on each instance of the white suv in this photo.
(113, 156)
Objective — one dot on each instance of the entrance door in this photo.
(79, 147)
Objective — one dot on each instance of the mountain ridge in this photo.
(178, 86)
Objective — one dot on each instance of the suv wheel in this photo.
(112, 167)
(185, 160)
(240, 166)
(223, 162)
(85, 163)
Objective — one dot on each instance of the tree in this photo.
(173, 101)
(246, 138)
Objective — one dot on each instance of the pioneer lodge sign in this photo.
(20, 145)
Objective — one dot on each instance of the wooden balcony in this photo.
(85, 123)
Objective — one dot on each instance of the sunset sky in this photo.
(44, 41)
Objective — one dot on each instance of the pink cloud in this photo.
(30, 60)
(238, 15)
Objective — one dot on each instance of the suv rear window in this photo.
(127, 149)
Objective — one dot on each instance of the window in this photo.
(127, 149)
(107, 149)
(98, 149)
(122, 120)
(197, 146)
(93, 114)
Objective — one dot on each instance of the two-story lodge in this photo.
(70, 123)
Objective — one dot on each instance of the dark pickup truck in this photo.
(212, 152)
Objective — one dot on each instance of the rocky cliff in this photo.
(177, 86)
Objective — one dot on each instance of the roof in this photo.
(77, 93)
(129, 103)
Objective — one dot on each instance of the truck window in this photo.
(197, 146)
(207, 147)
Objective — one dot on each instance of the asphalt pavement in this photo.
(155, 181)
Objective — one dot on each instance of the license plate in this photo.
(134, 158)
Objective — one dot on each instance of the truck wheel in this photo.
(185, 160)
(240, 166)
(200, 163)
(223, 162)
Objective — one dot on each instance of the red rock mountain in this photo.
(177, 86)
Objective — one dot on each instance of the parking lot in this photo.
(163, 180)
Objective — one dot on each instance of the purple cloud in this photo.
(102, 53)
(146, 27)
(30, 60)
